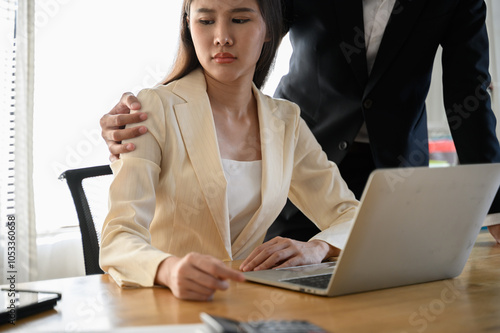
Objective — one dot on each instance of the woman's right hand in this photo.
(195, 276)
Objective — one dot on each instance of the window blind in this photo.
(7, 18)
(17, 219)
(7, 121)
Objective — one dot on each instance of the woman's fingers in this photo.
(198, 277)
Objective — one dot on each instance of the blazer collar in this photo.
(401, 22)
(198, 132)
(349, 21)
(197, 129)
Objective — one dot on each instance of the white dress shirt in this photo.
(376, 14)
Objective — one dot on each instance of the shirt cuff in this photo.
(337, 234)
(491, 219)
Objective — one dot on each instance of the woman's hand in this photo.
(285, 252)
(195, 276)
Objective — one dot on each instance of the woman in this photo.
(218, 163)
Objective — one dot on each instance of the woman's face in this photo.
(228, 36)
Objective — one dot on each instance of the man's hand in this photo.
(113, 125)
(195, 276)
(495, 232)
(285, 252)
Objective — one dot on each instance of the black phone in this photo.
(218, 324)
(17, 304)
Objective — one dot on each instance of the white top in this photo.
(244, 180)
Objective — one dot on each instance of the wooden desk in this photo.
(469, 303)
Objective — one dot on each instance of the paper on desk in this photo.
(186, 328)
(189, 328)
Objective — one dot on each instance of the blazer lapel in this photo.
(349, 21)
(403, 18)
(197, 127)
(272, 134)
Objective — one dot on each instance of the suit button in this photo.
(368, 103)
(343, 145)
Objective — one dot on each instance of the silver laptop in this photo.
(414, 225)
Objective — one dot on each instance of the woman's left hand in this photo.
(285, 252)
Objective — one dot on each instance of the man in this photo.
(368, 65)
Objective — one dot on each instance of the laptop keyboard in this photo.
(314, 281)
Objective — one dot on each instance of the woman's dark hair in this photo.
(186, 60)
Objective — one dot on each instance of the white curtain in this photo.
(17, 215)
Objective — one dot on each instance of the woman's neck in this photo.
(234, 109)
(232, 99)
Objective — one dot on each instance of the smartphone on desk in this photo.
(218, 324)
(17, 304)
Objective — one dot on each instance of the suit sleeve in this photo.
(126, 252)
(466, 81)
(319, 191)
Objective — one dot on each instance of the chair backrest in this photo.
(86, 184)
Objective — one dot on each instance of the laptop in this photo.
(413, 225)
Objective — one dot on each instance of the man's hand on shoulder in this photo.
(113, 125)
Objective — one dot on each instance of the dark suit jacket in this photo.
(338, 95)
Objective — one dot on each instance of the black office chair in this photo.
(87, 218)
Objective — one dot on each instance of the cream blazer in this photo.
(168, 197)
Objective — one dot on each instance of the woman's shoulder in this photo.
(181, 90)
(282, 108)
(161, 92)
(158, 103)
